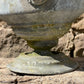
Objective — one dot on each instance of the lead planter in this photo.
(41, 23)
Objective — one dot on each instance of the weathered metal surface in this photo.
(44, 21)
(34, 63)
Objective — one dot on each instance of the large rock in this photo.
(72, 43)
(10, 44)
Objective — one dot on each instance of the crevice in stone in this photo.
(72, 52)
(16, 81)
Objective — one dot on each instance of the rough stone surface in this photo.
(78, 24)
(79, 45)
(65, 43)
(8, 77)
(72, 43)
(10, 44)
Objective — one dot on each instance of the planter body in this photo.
(41, 22)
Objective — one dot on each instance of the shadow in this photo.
(58, 56)
(23, 74)
(80, 61)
